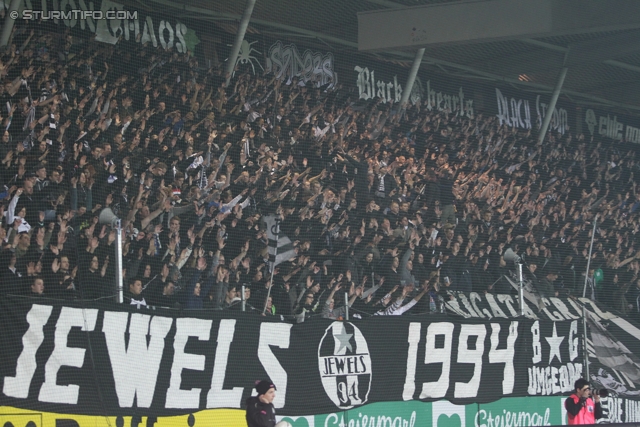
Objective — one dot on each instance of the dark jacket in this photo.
(360, 180)
(260, 414)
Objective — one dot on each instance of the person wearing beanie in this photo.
(260, 409)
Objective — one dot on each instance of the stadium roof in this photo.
(609, 76)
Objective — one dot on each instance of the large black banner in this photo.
(526, 111)
(610, 125)
(111, 22)
(118, 360)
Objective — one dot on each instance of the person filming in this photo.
(581, 407)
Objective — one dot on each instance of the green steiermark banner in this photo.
(508, 412)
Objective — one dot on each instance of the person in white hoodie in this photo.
(12, 215)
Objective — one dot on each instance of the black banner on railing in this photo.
(117, 360)
(112, 22)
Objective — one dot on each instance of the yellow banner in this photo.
(15, 417)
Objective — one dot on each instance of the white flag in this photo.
(280, 246)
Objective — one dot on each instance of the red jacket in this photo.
(582, 411)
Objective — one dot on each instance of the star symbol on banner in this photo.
(554, 345)
(344, 338)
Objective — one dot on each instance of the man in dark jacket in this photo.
(260, 410)
(546, 286)
(385, 186)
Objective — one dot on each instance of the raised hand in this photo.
(94, 243)
(103, 232)
(55, 265)
(62, 237)
(221, 243)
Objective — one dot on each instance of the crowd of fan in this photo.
(396, 209)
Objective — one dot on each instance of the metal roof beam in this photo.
(464, 22)
(549, 46)
(612, 62)
(526, 61)
(499, 78)
(622, 65)
(209, 13)
(545, 45)
(604, 48)
(386, 3)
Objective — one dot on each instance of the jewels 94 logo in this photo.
(345, 365)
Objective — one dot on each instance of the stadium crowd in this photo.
(397, 207)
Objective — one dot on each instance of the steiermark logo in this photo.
(446, 414)
(298, 421)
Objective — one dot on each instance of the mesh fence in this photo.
(258, 207)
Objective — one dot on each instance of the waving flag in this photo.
(280, 246)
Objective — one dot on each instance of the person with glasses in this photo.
(581, 407)
(305, 308)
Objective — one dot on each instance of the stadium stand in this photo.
(403, 203)
(270, 216)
